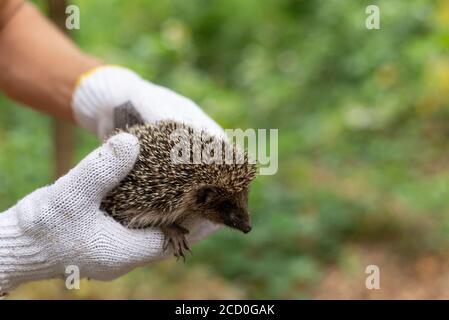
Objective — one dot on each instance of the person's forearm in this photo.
(39, 65)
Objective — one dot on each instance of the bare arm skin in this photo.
(39, 65)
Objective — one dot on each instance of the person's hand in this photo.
(61, 225)
(107, 87)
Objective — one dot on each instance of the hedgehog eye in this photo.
(227, 206)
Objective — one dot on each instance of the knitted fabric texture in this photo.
(61, 225)
(110, 86)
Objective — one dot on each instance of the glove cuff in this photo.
(21, 260)
(98, 92)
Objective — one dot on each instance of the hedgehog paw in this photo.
(175, 238)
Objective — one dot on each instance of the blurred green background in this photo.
(363, 119)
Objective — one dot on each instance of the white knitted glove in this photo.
(61, 224)
(107, 87)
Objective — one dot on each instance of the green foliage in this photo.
(363, 122)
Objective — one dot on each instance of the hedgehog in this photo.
(167, 187)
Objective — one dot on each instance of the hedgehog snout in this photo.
(243, 226)
(246, 228)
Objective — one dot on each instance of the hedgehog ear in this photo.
(206, 194)
(126, 115)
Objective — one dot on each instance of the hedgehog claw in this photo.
(176, 240)
(181, 250)
(166, 243)
(186, 245)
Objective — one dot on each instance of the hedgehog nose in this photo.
(246, 229)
